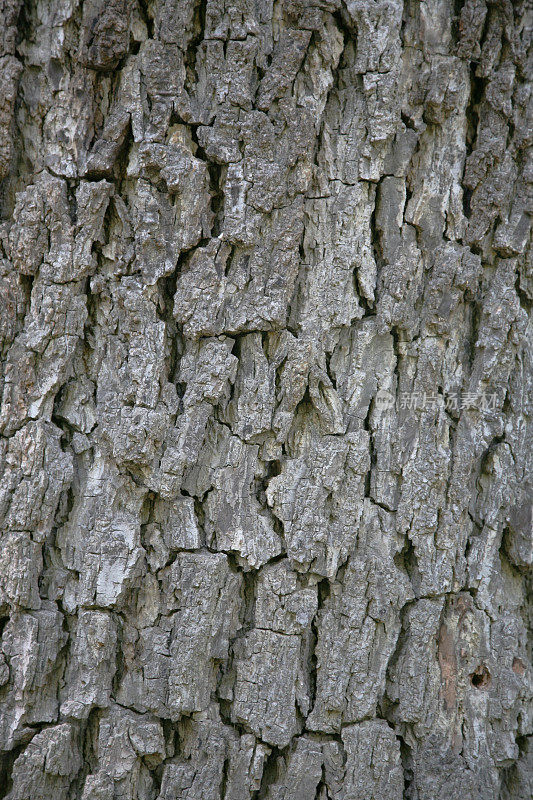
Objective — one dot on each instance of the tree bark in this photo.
(266, 400)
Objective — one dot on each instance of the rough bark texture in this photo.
(266, 277)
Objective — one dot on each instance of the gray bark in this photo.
(266, 400)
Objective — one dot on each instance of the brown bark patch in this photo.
(448, 667)
(518, 666)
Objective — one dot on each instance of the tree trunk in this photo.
(266, 404)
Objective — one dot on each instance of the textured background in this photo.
(266, 400)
